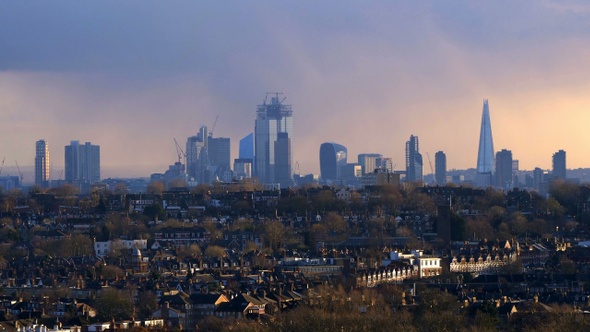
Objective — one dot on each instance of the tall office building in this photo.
(485, 154)
(538, 179)
(440, 165)
(283, 174)
(516, 173)
(42, 163)
(369, 162)
(242, 168)
(559, 169)
(504, 169)
(385, 164)
(197, 157)
(247, 147)
(414, 163)
(271, 119)
(218, 149)
(333, 160)
(243, 165)
(82, 162)
(207, 158)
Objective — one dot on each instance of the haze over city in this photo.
(132, 76)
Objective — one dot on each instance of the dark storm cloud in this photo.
(364, 74)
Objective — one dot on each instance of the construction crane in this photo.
(179, 151)
(430, 163)
(213, 127)
(276, 95)
(2, 166)
(19, 172)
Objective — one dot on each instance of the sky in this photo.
(131, 76)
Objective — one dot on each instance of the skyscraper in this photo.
(485, 154)
(82, 163)
(218, 149)
(197, 158)
(538, 179)
(369, 162)
(283, 160)
(247, 147)
(440, 165)
(333, 160)
(504, 169)
(559, 169)
(414, 162)
(242, 168)
(271, 119)
(243, 165)
(42, 163)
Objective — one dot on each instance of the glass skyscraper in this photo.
(243, 165)
(197, 158)
(485, 154)
(82, 162)
(247, 147)
(333, 160)
(414, 163)
(271, 119)
(42, 163)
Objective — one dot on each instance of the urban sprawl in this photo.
(366, 246)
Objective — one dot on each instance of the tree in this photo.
(479, 228)
(518, 224)
(392, 198)
(335, 224)
(419, 202)
(177, 183)
(76, 245)
(65, 191)
(154, 212)
(110, 272)
(148, 303)
(218, 252)
(567, 194)
(192, 250)
(113, 304)
(250, 247)
(296, 205)
(11, 199)
(554, 209)
(121, 189)
(323, 200)
(274, 234)
(156, 187)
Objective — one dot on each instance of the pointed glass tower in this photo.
(485, 155)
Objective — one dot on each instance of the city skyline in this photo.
(387, 71)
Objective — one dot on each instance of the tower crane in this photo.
(213, 127)
(179, 151)
(19, 172)
(430, 163)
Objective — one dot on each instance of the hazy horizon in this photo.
(133, 76)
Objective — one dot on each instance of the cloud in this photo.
(131, 76)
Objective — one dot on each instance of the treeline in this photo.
(385, 309)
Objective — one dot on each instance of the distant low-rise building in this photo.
(103, 248)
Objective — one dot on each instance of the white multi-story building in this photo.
(102, 249)
(42, 163)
